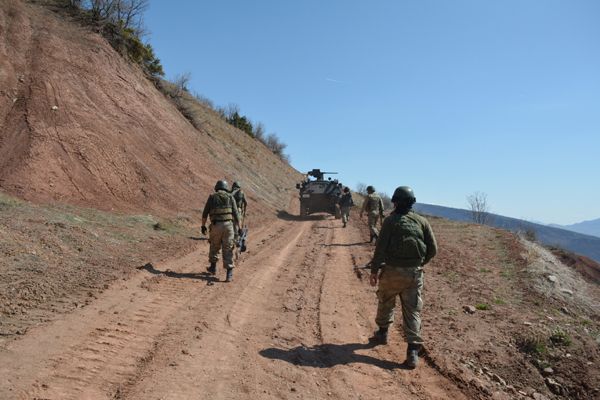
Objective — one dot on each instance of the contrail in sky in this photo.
(333, 80)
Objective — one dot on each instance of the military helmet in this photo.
(221, 185)
(235, 185)
(403, 194)
(370, 189)
(346, 189)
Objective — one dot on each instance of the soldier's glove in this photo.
(203, 229)
(240, 232)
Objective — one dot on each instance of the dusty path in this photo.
(293, 324)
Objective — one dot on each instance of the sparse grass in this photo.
(499, 301)
(8, 201)
(532, 345)
(560, 338)
(451, 276)
(507, 273)
(483, 306)
(485, 270)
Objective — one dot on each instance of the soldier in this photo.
(346, 203)
(373, 206)
(406, 244)
(224, 217)
(240, 200)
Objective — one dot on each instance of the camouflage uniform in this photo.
(345, 204)
(240, 201)
(405, 245)
(223, 214)
(373, 206)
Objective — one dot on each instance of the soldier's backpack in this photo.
(407, 246)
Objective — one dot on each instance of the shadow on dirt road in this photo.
(204, 276)
(329, 355)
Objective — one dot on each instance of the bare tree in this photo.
(182, 81)
(361, 188)
(259, 131)
(480, 208)
(127, 13)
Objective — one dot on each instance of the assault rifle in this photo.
(241, 243)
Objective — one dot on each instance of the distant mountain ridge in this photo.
(579, 243)
(591, 227)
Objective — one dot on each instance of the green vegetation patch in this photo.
(483, 306)
(560, 338)
(533, 345)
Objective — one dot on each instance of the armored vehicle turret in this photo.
(319, 194)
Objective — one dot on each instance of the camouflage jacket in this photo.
(373, 204)
(405, 241)
(346, 200)
(221, 207)
(240, 200)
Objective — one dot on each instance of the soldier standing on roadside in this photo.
(240, 201)
(373, 206)
(406, 244)
(345, 204)
(224, 218)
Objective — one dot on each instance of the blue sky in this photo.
(449, 97)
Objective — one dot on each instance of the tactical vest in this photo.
(372, 203)
(221, 209)
(238, 195)
(407, 246)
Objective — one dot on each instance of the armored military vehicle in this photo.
(319, 194)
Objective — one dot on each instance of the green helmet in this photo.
(370, 189)
(221, 185)
(403, 194)
(236, 185)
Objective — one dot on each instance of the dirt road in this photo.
(293, 324)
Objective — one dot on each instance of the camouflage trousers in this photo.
(345, 214)
(373, 218)
(406, 283)
(221, 237)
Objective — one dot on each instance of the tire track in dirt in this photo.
(293, 324)
(215, 363)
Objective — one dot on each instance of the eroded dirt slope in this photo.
(79, 124)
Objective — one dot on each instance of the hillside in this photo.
(575, 242)
(81, 125)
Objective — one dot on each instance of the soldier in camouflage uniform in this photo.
(405, 245)
(373, 206)
(345, 204)
(224, 218)
(240, 201)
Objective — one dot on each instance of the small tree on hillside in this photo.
(182, 81)
(387, 201)
(479, 206)
(361, 188)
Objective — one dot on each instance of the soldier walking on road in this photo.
(345, 204)
(240, 200)
(224, 218)
(405, 245)
(373, 206)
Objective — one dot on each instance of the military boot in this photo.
(380, 336)
(213, 268)
(229, 276)
(412, 355)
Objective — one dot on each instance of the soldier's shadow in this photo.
(329, 355)
(204, 276)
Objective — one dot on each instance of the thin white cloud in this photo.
(333, 80)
